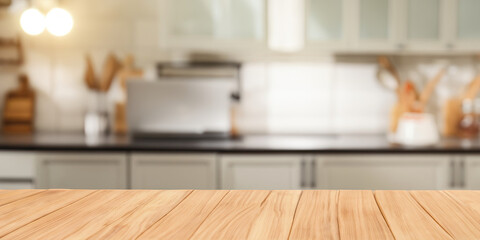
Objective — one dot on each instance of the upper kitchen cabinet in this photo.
(374, 24)
(422, 27)
(465, 30)
(327, 24)
(214, 24)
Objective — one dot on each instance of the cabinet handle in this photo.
(313, 173)
(452, 173)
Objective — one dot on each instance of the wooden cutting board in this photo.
(19, 109)
(222, 214)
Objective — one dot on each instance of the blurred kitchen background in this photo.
(276, 94)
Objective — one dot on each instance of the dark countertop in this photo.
(246, 144)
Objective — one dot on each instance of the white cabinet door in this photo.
(214, 24)
(375, 24)
(471, 170)
(261, 171)
(327, 24)
(82, 170)
(465, 31)
(423, 25)
(17, 170)
(399, 172)
(173, 171)
(17, 165)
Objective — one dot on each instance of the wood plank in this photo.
(360, 218)
(183, 220)
(469, 198)
(276, 217)
(19, 213)
(8, 196)
(84, 217)
(316, 216)
(233, 217)
(459, 221)
(406, 218)
(131, 226)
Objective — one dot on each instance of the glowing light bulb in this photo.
(59, 22)
(32, 21)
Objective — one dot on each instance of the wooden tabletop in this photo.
(185, 214)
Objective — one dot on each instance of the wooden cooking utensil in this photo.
(472, 89)
(109, 70)
(385, 63)
(428, 90)
(406, 103)
(90, 78)
(128, 71)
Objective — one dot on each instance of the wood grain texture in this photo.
(133, 225)
(276, 216)
(185, 219)
(468, 198)
(24, 211)
(316, 216)
(84, 217)
(233, 217)
(8, 196)
(192, 214)
(406, 218)
(459, 221)
(360, 218)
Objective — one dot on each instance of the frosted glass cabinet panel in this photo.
(468, 18)
(374, 19)
(423, 19)
(223, 19)
(325, 20)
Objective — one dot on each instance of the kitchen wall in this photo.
(321, 94)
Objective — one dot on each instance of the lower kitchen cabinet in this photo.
(173, 171)
(261, 171)
(400, 172)
(82, 170)
(470, 166)
(17, 170)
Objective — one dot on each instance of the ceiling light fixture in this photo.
(58, 21)
(32, 21)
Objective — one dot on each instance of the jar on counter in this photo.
(468, 124)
